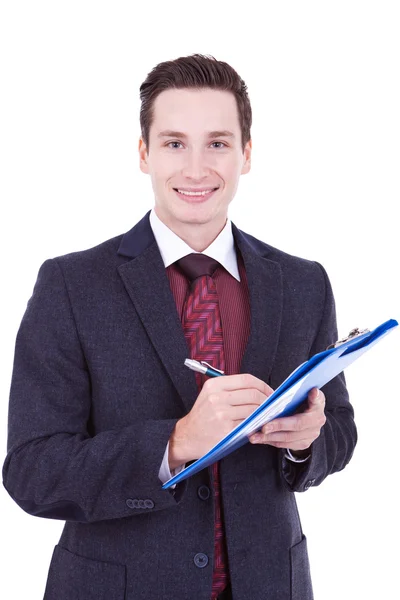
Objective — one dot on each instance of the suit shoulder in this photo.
(289, 263)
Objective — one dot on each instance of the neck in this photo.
(198, 236)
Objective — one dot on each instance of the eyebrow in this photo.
(211, 134)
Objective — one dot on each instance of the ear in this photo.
(143, 156)
(247, 158)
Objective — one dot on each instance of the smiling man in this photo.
(101, 416)
(195, 157)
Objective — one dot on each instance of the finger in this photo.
(316, 398)
(244, 397)
(298, 444)
(290, 437)
(301, 445)
(240, 412)
(297, 422)
(237, 382)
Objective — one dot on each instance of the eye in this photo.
(169, 143)
(174, 147)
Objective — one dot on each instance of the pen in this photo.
(203, 367)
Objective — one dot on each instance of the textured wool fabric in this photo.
(97, 388)
(201, 319)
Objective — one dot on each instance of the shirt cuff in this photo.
(165, 474)
(290, 456)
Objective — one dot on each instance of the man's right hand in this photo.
(221, 405)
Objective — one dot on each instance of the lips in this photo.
(209, 189)
(198, 198)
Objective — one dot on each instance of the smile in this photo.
(195, 196)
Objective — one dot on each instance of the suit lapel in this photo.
(264, 280)
(147, 284)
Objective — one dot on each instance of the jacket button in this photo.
(201, 560)
(149, 503)
(203, 492)
(309, 483)
(130, 503)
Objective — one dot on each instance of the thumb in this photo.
(315, 397)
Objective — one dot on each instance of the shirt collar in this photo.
(172, 247)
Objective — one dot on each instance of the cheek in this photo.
(230, 173)
(163, 172)
(163, 165)
(229, 166)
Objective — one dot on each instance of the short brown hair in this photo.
(197, 72)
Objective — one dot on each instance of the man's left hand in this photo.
(298, 431)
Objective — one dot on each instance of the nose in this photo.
(195, 166)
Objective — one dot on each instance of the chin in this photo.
(189, 216)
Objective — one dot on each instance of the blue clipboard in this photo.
(315, 372)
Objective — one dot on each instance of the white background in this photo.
(323, 79)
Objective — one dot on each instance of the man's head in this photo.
(195, 122)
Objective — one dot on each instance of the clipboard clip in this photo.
(353, 333)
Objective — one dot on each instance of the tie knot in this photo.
(195, 265)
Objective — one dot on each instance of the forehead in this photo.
(193, 111)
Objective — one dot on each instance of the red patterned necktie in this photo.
(201, 320)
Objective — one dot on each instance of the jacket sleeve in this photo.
(334, 447)
(53, 467)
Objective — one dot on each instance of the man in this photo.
(103, 410)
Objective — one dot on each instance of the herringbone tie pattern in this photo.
(201, 320)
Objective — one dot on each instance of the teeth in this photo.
(195, 193)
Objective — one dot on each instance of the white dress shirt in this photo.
(173, 248)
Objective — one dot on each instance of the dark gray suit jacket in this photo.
(97, 387)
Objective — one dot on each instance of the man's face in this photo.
(186, 153)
